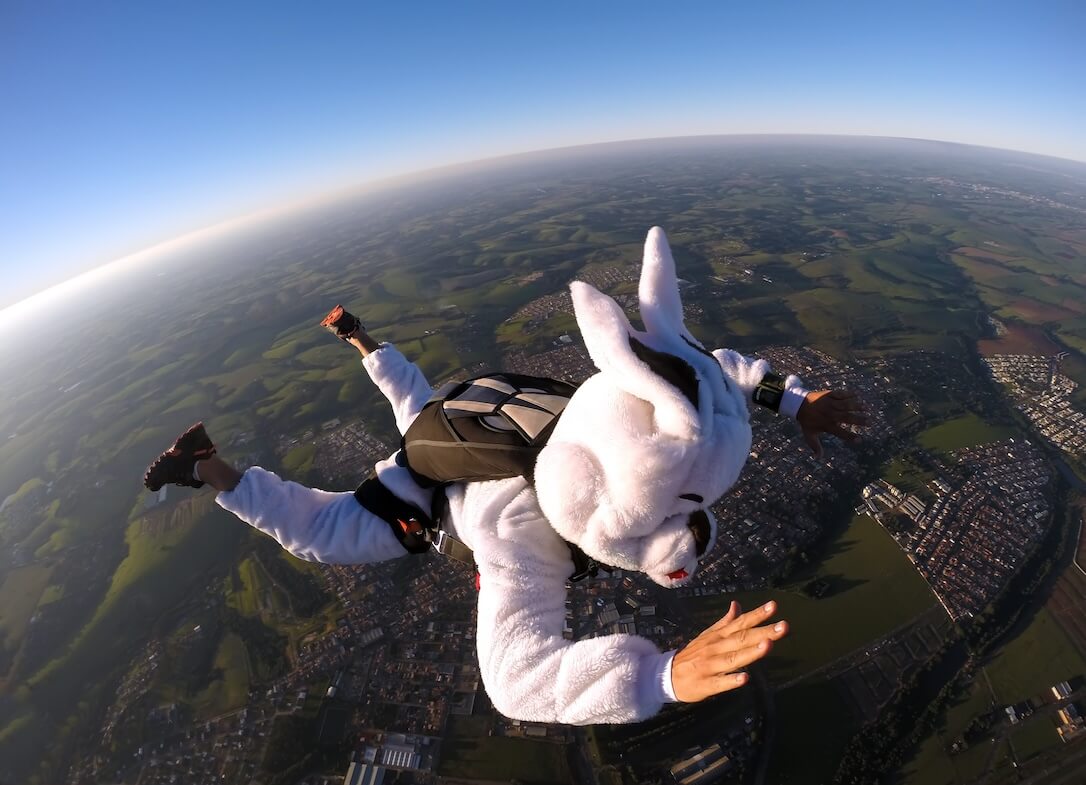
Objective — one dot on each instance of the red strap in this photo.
(476, 581)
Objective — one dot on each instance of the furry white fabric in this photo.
(628, 446)
(633, 457)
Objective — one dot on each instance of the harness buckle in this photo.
(447, 545)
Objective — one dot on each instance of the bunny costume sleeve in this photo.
(747, 372)
(531, 672)
(334, 528)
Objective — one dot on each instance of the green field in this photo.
(965, 431)
(934, 763)
(33, 484)
(814, 725)
(907, 476)
(1034, 737)
(875, 590)
(19, 595)
(1040, 656)
(246, 587)
(468, 752)
(229, 688)
(151, 546)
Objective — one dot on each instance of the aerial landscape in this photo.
(933, 573)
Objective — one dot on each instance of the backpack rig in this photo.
(491, 427)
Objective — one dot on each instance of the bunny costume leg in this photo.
(334, 528)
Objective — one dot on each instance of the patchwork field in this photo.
(864, 562)
(968, 430)
(20, 594)
(850, 250)
(468, 752)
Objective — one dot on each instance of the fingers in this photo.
(724, 667)
(845, 406)
(745, 639)
(852, 419)
(812, 440)
(709, 664)
(741, 621)
(758, 616)
(843, 433)
(726, 620)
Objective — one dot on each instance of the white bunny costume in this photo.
(640, 452)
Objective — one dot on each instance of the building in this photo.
(364, 774)
(703, 767)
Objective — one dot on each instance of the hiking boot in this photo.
(341, 323)
(176, 464)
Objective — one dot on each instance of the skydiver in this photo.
(530, 671)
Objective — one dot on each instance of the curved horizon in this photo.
(10, 313)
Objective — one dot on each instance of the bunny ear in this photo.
(610, 341)
(661, 308)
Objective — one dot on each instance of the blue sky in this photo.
(126, 124)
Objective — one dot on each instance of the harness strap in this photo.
(411, 525)
(417, 532)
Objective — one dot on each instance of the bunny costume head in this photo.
(648, 443)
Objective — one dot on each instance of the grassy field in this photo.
(933, 763)
(1034, 738)
(245, 587)
(157, 574)
(52, 594)
(27, 487)
(874, 590)
(19, 595)
(813, 727)
(468, 752)
(1037, 658)
(905, 475)
(299, 460)
(149, 546)
(230, 687)
(965, 431)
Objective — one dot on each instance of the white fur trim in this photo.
(401, 382)
(792, 399)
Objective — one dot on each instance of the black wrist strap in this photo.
(769, 392)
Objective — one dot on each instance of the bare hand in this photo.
(712, 663)
(828, 411)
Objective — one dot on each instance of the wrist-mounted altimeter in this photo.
(769, 391)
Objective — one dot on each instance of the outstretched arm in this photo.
(400, 381)
(533, 673)
(747, 372)
(824, 411)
